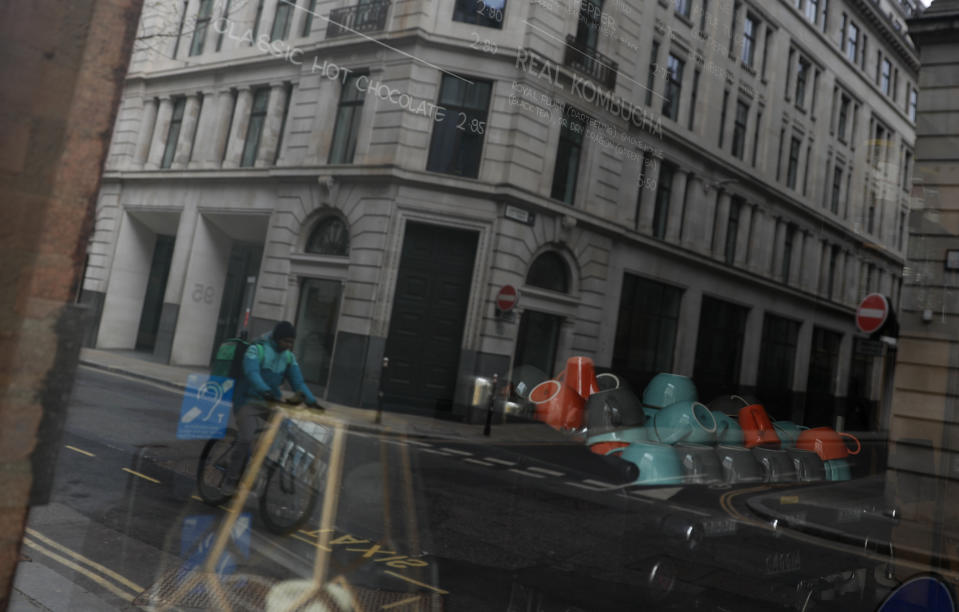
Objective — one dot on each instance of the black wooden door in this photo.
(429, 312)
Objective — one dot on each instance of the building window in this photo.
(256, 21)
(805, 171)
(831, 277)
(674, 83)
(759, 123)
(223, 24)
(843, 117)
(766, 42)
(739, 128)
(329, 237)
(204, 14)
(885, 76)
(347, 122)
(704, 8)
(536, 344)
(792, 170)
(779, 154)
(664, 189)
(732, 230)
(902, 230)
(802, 76)
(568, 154)
(457, 144)
(906, 168)
(913, 102)
(486, 13)
(812, 10)
(788, 252)
(865, 50)
(749, 41)
(179, 31)
(308, 18)
(825, 16)
(777, 362)
(852, 42)
(549, 271)
(645, 329)
(651, 79)
(281, 20)
(255, 128)
(722, 118)
(692, 99)
(684, 7)
(719, 347)
(173, 134)
(836, 189)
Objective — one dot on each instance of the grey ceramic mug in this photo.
(776, 463)
(738, 464)
(809, 467)
(700, 464)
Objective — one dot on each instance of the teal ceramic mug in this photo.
(665, 389)
(658, 463)
(728, 430)
(685, 421)
(628, 434)
(838, 469)
(788, 432)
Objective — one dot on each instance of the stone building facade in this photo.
(700, 187)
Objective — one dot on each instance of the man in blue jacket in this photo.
(267, 363)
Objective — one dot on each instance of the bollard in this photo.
(379, 394)
(489, 406)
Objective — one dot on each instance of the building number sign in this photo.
(203, 293)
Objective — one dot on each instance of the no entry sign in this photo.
(506, 298)
(872, 313)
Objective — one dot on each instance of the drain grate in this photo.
(197, 590)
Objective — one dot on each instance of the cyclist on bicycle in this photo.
(266, 364)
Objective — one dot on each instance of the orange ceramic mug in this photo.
(757, 427)
(581, 376)
(558, 405)
(827, 443)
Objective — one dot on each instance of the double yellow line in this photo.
(110, 580)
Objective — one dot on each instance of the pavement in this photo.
(141, 366)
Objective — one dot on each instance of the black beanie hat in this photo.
(283, 329)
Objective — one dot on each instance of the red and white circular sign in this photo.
(872, 313)
(506, 298)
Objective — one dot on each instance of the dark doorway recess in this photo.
(429, 311)
(156, 288)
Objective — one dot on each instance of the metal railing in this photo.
(364, 17)
(590, 62)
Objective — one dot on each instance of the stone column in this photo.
(129, 276)
(707, 227)
(241, 120)
(694, 219)
(758, 242)
(684, 354)
(145, 136)
(840, 278)
(270, 138)
(722, 223)
(172, 298)
(801, 370)
(647, 209)
(794, 277)
(812, 253)
(206, 123)
(184, 145)
(160, 133)
(779, 250)
(851, 292)
(752, 346)
(742, 235)
(676, 201)
(221, 129)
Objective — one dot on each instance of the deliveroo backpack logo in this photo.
(205, 410)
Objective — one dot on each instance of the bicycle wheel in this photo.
(290, 496)
(212, 467)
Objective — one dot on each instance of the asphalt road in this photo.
(420, 524)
